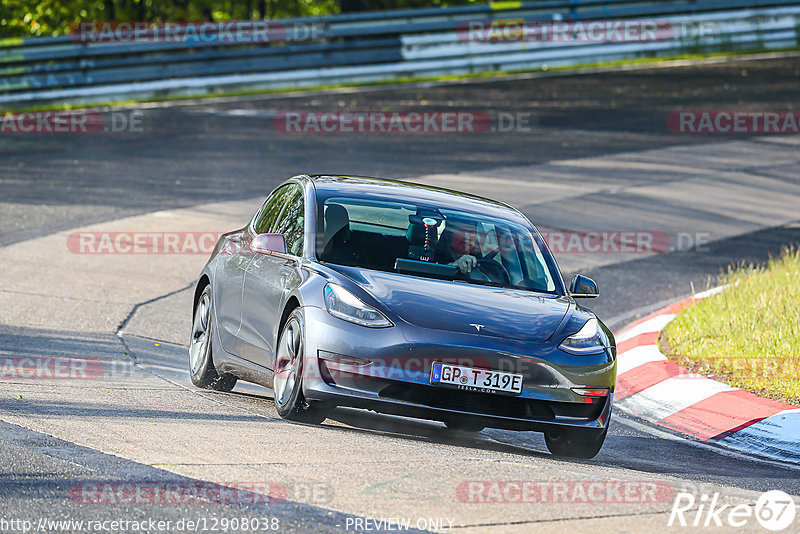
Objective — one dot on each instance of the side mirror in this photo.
(268, 244)
(583, 287)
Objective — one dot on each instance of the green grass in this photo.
(411, 79)
(748, 335)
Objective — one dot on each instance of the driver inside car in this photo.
(458, 245)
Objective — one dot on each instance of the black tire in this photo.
(462, 425)
(201, 360)
(288, 379)
(575, 443)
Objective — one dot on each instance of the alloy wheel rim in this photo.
(286, 364)
(200, 328)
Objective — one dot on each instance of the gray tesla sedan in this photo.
(404, 299)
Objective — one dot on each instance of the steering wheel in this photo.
(493, 270)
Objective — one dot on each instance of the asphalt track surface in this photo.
(56, 434)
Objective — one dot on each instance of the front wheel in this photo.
(575, 442)
(287, 383)
(201, 362)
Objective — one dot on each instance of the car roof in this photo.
(383, 188)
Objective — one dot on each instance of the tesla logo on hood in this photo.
(477, 326)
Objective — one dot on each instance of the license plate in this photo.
(471, 379)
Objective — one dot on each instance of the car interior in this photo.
(425, 242)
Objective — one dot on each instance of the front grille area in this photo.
(493, 405)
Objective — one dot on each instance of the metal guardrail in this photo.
(379, 46)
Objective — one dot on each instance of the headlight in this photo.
(344, 305)
(588, 340)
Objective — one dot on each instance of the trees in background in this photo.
(28, 18)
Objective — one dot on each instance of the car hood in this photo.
(460, 307)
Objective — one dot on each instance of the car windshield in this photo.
(432, 241)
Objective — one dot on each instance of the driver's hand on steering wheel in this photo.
(465, 263)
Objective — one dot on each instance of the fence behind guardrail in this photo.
(116, 61)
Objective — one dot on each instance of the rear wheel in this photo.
(575, 442)
(201, 362)
(287, 383)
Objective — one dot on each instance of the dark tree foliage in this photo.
(29, 18)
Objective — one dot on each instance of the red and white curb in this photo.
(661, 391)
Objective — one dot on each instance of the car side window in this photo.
(291, 222)
(271, 211)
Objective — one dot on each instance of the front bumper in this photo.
(397, 378)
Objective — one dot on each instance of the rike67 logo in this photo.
(774, 510)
